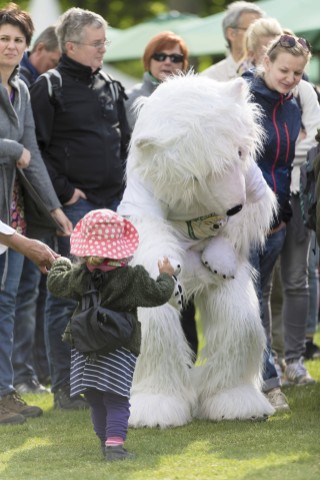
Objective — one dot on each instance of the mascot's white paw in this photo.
(220, 257)
(161, 410)
(176, 265)
(177, 298)
(244, 402)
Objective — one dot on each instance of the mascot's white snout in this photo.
(196, 195)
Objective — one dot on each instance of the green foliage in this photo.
(125, 13)
(120, 14)
(22, 4)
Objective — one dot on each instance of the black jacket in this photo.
(83, 137)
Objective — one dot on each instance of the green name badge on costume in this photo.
(205, 226)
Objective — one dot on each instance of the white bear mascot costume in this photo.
(195, 194)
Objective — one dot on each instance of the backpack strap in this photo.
(91, 297)
(54, 81)
(117, 90)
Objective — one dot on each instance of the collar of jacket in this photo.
(258, 85)
(25, 63)
(13, 79)
(76, 69)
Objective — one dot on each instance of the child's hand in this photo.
(165, 266)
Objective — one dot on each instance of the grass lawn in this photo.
(62, 446)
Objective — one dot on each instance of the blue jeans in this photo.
(10, 279)
(264, 262)
(313, 278)
(60, 310)
(29, 358)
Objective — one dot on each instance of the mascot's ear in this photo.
(238, 87)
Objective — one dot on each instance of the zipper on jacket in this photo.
(278, 146)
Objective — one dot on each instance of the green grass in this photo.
(62, 446)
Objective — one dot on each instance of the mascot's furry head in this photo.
(191, 129)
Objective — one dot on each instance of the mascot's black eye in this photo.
(240, 153)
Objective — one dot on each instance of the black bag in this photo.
(308, 192)
(38, 218)
(96, 329)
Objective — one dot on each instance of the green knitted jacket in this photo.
(121, 289)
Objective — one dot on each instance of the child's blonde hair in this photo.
(94, 261)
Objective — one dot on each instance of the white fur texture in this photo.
(192, 155)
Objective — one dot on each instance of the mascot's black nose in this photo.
(234, 210)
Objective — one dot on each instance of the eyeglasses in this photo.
(240, 28)
(174, 57)
(288, 41)
(97, 45)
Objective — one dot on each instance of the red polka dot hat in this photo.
(104, 233)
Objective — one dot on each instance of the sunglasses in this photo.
(287, 41)
(174, 57)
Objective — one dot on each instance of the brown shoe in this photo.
(14, 403)
(10, 417)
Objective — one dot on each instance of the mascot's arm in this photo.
(256, 185)
(250, 226)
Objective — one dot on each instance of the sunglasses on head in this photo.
(288, 41)
(174, 57)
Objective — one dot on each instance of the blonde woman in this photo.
(272, 85)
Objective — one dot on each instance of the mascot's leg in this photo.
(228, 382)
(162, 393)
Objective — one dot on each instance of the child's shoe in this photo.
(117, 452)
(103, 447)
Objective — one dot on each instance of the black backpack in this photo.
(54, 81)
(97, 329)
(308, 195)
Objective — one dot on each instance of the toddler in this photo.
(104, 242)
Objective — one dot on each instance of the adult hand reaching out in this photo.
(38, 252)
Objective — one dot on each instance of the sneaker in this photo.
(117, 452)
(278, 400)
(7, 416)
(63, 401)
(31, 386)
(14, 403)
(312, 350)
(280, 366)
(297, 374)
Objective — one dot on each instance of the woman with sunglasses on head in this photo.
(166, 54)
(293, 300)
(272, 85)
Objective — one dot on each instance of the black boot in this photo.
(117, 452)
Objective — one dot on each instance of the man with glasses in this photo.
(83, 134)
(238, 17)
